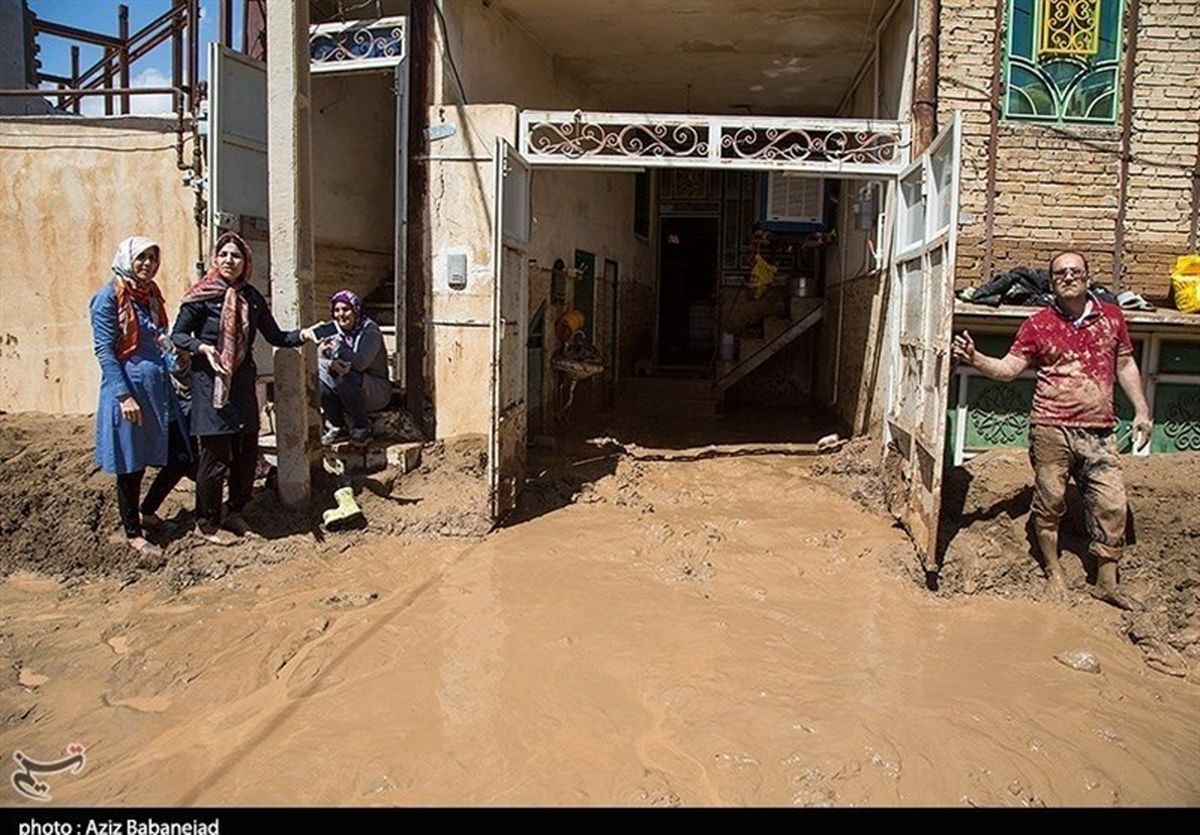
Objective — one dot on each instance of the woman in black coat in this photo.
(218, 321)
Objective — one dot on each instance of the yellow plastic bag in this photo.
(761, 276)
(1185, 283)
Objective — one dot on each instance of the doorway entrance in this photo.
(687, 304)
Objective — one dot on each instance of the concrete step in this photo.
(356, 459)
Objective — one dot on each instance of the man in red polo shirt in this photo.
(1079, 346)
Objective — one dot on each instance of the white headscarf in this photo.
(127, 250)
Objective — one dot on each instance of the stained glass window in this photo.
(1070, 27)
(1063, 60)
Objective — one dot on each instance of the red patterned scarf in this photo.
(150, 298)
(234, 341)
(129, 290)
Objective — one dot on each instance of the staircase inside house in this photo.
(380, 305)
(773, 335)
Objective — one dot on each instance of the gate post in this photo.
(289, 178)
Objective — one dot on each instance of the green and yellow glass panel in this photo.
(1070, 27)
(1062, 62)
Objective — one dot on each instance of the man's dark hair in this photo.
(1087, 269)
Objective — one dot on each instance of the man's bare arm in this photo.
(1130, 380)
(1004, 369)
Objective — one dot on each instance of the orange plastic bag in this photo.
(1185, 283)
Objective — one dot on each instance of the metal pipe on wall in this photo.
(1131, 28)
(989, 211)
(75, 76)
(925, 92)
(177, 54)
(123, 55)
(193, 33)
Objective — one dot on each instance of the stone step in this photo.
(358, 459)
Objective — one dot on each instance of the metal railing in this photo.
(179, 24)
(833, 147)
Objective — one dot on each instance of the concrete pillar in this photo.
(289, 177)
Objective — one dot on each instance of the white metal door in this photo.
(510, 302)
(920, 313)
(237, 164)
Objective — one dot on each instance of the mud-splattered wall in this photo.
(71, 190)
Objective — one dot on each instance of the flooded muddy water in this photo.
(678, 635)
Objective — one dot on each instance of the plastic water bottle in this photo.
(168, 351)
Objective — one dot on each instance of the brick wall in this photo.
(1058, 186)
(1166, 120)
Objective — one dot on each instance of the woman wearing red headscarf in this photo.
(218, 321)
(138, 422)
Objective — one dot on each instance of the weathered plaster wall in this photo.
(70, 191)
(498, 61)
(462, 209)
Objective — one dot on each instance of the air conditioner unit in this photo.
(794, 202)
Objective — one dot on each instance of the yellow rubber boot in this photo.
(346, 514)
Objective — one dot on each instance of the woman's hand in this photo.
(130, 410)
(339, 367)
(325, 347)
(214, 359)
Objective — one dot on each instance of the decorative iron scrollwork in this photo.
(578, 139)
(1182, 424)
(817, 145)
(1070, 27)
(357, 45)
(745, 143)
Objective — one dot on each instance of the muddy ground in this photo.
(58, 514)
(988, 548)
(641, 633)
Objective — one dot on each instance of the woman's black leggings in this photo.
(129, 485)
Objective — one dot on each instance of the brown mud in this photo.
(724, 631)
(989, 550)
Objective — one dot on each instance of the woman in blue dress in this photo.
(137, 419)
